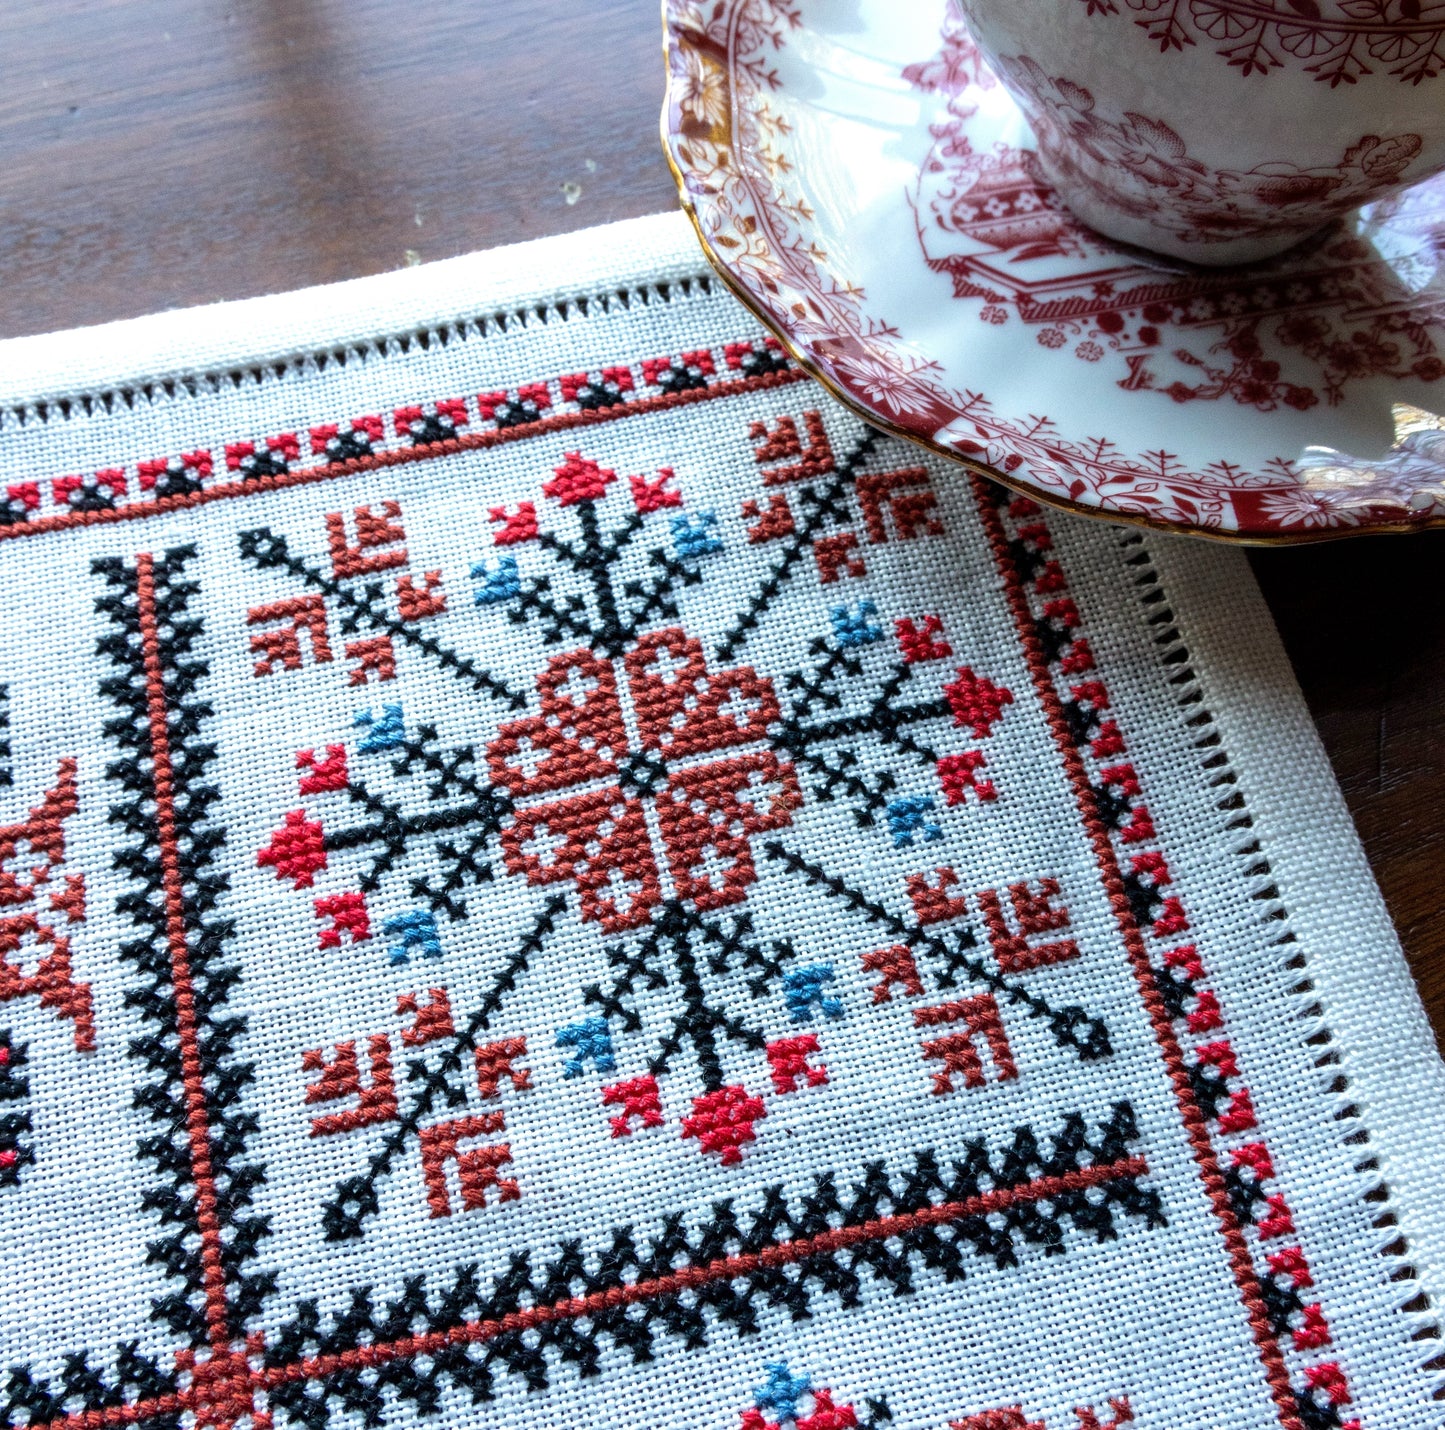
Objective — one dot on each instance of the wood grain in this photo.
(162, 154)
(156, 154)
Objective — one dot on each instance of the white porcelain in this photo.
(1222, 131)
(866, 185)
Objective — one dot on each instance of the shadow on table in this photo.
(1364, 624)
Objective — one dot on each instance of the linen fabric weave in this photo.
(553, 877)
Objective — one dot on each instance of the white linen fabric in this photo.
(555, 878)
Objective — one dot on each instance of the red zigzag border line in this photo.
(1131, 845)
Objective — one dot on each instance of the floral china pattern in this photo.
(1338, 314)
(1336, 43)
(1139, 166)
(987, 218)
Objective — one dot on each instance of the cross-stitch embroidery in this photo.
(597, 913)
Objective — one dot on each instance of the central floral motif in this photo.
(704, 811)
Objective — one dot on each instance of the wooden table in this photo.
(155, 154)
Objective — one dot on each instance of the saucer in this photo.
(865, 185)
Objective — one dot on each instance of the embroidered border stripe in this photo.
(202, 495)
(163, 776)
(725, 1268)
(224, 1387)
(1035, 543)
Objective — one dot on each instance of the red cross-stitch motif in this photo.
(30, 852)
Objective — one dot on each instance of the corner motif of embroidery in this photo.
(959, 1052)
(445, 1149)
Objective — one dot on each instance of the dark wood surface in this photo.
(155, 153)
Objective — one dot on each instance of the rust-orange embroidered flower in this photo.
(705, 811)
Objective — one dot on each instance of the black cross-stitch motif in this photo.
(6, 776)
(686, 950)
(458, 821)
(683, 1281)
(14, 1119)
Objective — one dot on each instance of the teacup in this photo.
(1222, 131)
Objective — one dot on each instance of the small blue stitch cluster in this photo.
(694, 537)
(854, 627)
(416, 929)
(589, 1039)
(780, 1395)
(803, 991)
(907, 819)
(388, 733)
(499, 583)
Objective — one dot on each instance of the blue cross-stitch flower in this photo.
(782, 1392)
(499, 583)
(388, 733)
(416, 929)
(906, 820)
(855, 627)
(803, 990)
(695, 536)
(589, 1039)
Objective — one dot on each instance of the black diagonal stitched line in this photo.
(5, 772)
(270, 551)
(355, 1199)
(447, 768)
(730, 945)
(782, 570)
(900, 675)
(594, 562)
(884, 718)
(622, 537)
(548, 541)
(814, 688)
(841, 774)
(1072, 1027)
(658, 598)
(634, 966)
(566, 620)
(704, 1016)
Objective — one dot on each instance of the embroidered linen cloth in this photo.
(554, 878)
